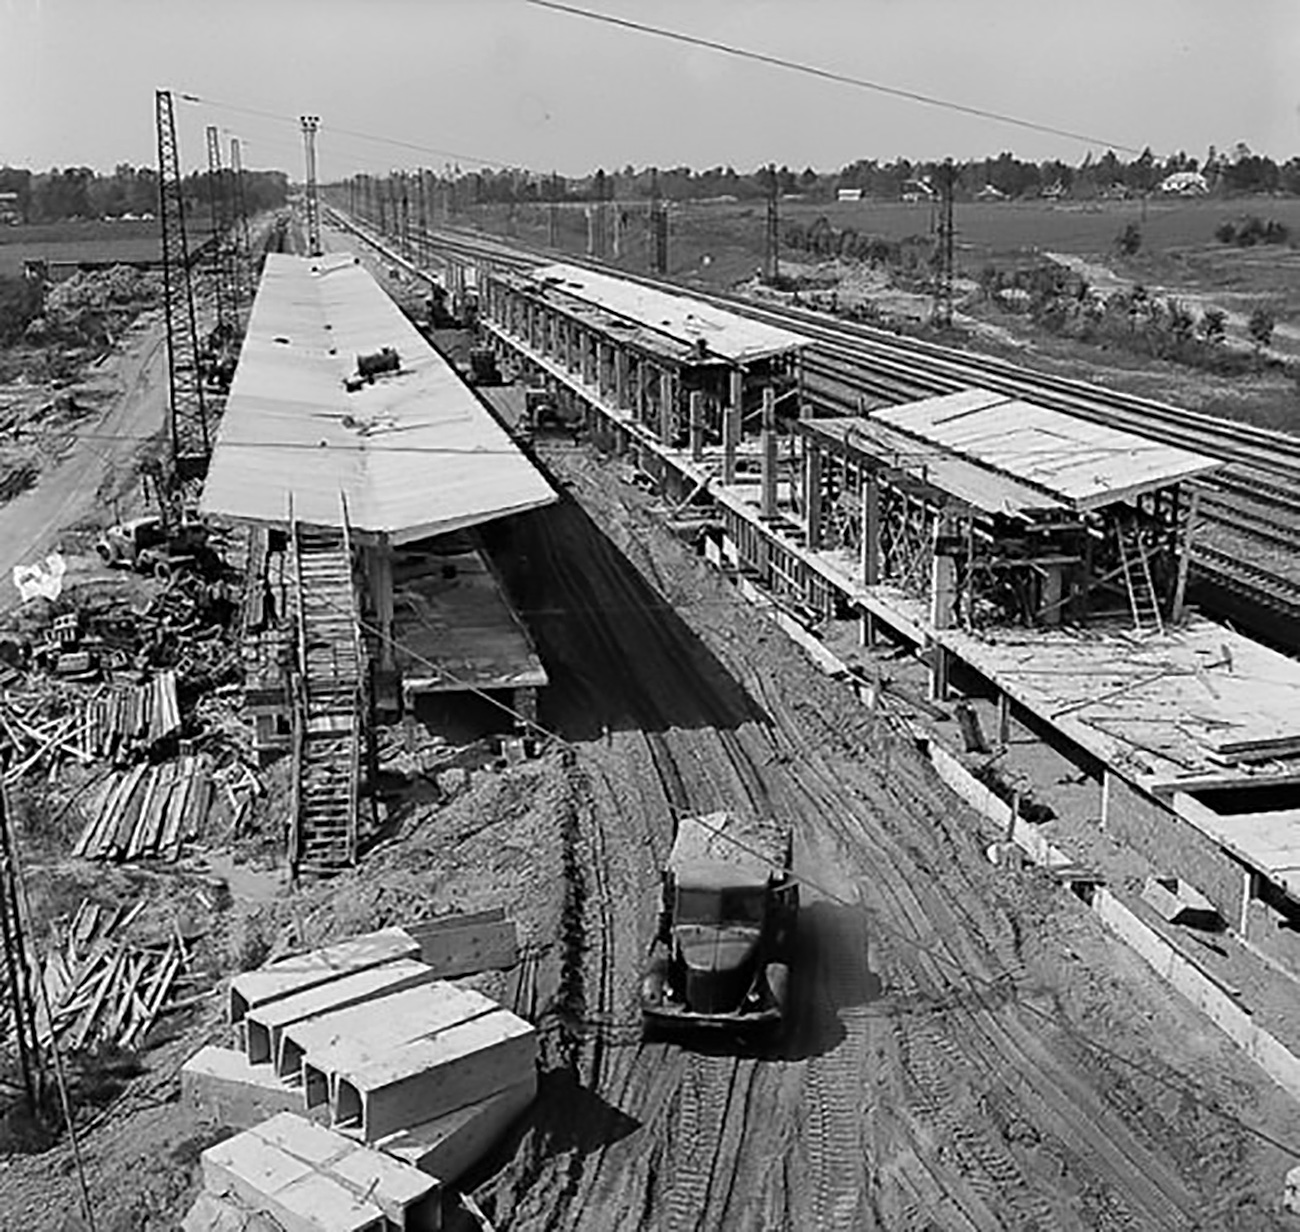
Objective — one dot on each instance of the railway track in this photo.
(1255, 498)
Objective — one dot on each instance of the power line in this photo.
(812, 70)
(328, 129)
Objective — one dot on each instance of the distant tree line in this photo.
(73, 193)
(1238, 171)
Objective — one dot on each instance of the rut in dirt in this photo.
(921, 1082)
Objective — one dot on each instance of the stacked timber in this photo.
(124, 722)
(150, 811)
(101, 991)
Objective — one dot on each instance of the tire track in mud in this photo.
(974, 1038)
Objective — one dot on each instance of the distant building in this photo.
(1184, 184)
(848, 194)
(10, 211)
(990, 192)
(918, 190)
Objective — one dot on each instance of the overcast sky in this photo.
(506, 82)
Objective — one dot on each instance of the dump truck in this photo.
(720, 957)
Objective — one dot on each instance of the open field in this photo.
(78, 241)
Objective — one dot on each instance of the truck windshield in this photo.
(710, 906)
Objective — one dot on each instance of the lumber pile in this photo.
(100, 990)
(149, 810)
(126, 721)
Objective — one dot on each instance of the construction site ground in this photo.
(970, 1048)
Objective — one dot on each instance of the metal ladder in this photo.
(1135, 569)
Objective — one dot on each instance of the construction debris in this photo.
(99, 989)
(132, 720)
(150, 810)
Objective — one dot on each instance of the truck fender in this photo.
(777, 975)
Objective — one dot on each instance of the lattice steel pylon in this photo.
(944, 240)
(310, 127)
(246, 275)
(188, 415)
(223, 270)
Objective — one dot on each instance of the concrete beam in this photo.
(363, 1032)
(302, 971)
(462, 945)
(429, 1077)
(407, 1196)
(448, 1146)
(264, 1025)
(268, 1180)
(221, 1083)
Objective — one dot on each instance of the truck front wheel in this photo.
(778, 984)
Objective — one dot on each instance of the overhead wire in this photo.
(813, 70)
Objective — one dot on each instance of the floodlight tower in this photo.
(188, 413)
(310, 126)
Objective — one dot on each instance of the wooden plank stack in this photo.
(125, 721)
(150, 811)
(102, 990)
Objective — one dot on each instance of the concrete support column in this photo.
(379, 576)
(1106, 777)
(812, 494)
(943, 585)
(1004, 719)
(1185, 545)
(1053, 592)
(870, 529)
(665, 431)
(767, 494)
(697, 426)
(866, 627)
(620, 378)
(731, 427)
(938, 673)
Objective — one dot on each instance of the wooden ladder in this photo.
(328, 711)
(1135, 568)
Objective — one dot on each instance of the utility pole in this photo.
(772, 262)
(404, 189)
(422, 217)
(310, 127)
(944, 248)
(20, 978)
(188, 412)
(658, 228)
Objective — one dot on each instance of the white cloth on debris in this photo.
(43, 580)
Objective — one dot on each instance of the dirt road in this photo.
(971, 1051)
(68, 492)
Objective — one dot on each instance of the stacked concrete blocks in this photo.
(311, 1179)
(304, 971)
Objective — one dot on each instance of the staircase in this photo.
(1136, 572)
(328, 705)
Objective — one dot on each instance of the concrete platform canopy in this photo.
(408, 455)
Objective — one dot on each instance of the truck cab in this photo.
(720, 956)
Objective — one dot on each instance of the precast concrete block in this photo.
(317, 1047)
(264, 1024)
(264, 1178)
(302, 971)
(449, 1145)
(409, 1199)
(461, 945)
(460, 1065)
(222, 1083)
